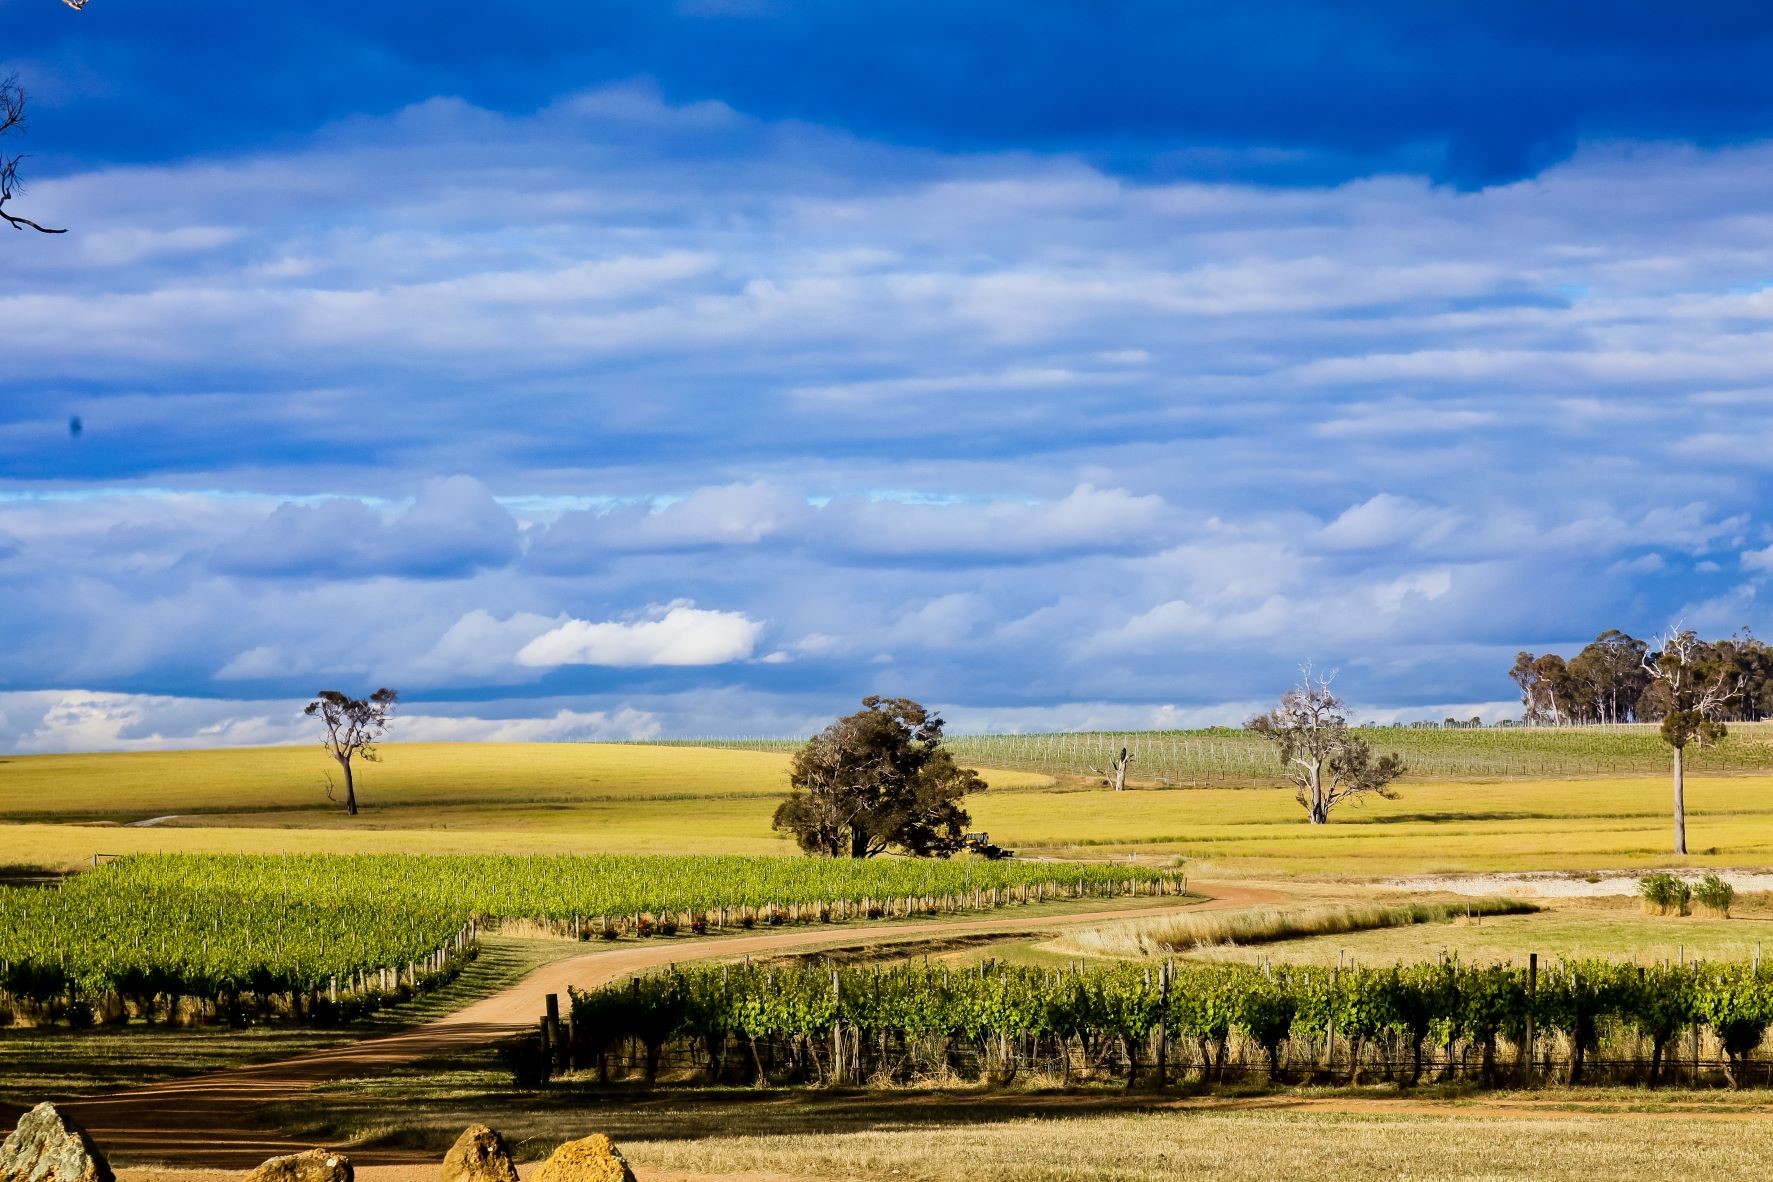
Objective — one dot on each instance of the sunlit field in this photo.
(1613, 928)
(657, 799)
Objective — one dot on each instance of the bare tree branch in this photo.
(12, 119)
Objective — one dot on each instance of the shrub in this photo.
(643, 926)
(667, 927)
(610, 932)
(1714, 896)
(699, 924)
(1664, 894)
(525, 1059)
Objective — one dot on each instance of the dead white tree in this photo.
(1697, 690)
(12, 119)
(1117, 768)
(1323, 757)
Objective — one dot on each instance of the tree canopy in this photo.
(1618, 678)
(353, 725)
(876, 780)
(1326, 761)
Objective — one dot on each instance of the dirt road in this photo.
(212, 1121)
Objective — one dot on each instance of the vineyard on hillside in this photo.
(338, 934)
(1228, 756)
(807, 1023)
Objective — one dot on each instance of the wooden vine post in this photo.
(1163, 1029)
(836, 1031)
(1532, 991)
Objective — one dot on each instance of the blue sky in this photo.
(635, 369)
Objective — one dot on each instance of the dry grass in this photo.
(1614, 928)
(1631, 1136)
(584, 797)
(1267, 925)
(1240, 1147)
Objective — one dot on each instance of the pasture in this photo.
(623, 798)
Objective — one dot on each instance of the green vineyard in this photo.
(339, 933)
(1225, 755)
(802, 1022)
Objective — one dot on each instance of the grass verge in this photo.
(1267, 925)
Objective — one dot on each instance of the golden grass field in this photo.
(433, 797)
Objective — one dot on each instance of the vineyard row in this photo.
(1177, 1021)
(331, 937)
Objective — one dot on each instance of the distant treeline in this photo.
(1611, 680)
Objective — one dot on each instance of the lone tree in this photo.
(1689, 676)
(12, 119)
(1117, 770)
(1319, 753)
(875, 780)
(353, 725)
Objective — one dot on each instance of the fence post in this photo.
(1695, 1035)
(1163, 1028)
(551, 1026)
(836, 1030)
(1532, 992)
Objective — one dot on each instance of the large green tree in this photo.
(876, 780)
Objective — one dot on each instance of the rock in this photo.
(479, 1155)
(310, 1165)
(593, 1159)
(48, 1147)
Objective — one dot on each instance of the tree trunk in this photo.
(1680, 800)
(350, 789)
(1318, 810)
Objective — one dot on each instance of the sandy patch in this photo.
(1550, 884)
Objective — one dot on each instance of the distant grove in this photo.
(1614, 679)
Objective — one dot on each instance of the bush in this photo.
(699, 924)
(525, 1059)
(667, 927)
(1664, 894)
(643, 926)
(610, 932)
(1714, 896)
(81, 1016)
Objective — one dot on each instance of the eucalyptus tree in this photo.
(12, 121)
(1696, 686)
(876, 780)
(1320, 753)
(353, 727)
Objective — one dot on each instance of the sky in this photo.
(636, 369)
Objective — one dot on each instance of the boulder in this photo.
(310, 1165)
(48, 1147)
(593, 1159)
(479, 1155)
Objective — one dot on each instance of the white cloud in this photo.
(1387, 520)
(677, 634)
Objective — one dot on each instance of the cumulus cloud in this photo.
(1014, 431)
(451, 528)
(678, 633)
(77, 720)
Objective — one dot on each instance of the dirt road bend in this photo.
(213, 1121)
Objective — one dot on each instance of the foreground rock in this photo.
(311, 1165)
(594, 1159)
(479, 1155)
(48, 1147)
